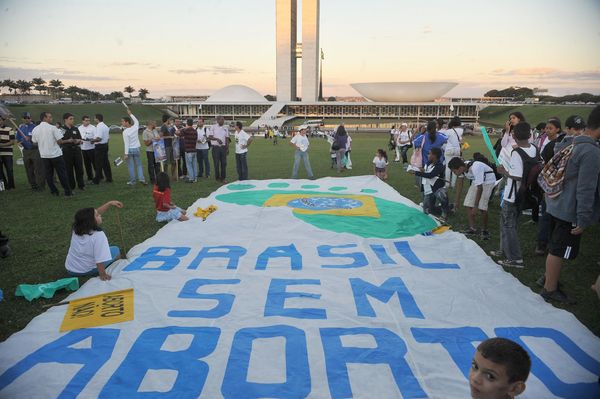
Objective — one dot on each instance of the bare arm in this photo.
(104, 208)
(458, 192)
(102, 272)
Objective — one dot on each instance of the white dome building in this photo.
(238, 94)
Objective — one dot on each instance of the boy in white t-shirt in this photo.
(509, 240)
(483, 181)
(300, 143)
(89, 253)
(242, 141)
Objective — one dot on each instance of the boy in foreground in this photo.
(499, 369)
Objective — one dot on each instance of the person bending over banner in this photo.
(499, 369)
(89, 253)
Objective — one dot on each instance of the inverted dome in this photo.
(403, 91)
(236, 94)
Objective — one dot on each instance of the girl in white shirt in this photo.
(89, 252)
(380, 164)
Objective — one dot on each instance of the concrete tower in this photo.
(288, 50)
(286, 30)
(310, 50)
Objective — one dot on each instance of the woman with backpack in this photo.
(340, 139)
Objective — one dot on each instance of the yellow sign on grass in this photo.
(99, 310)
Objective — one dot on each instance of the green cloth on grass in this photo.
(46, 290)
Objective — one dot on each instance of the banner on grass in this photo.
(293, 289)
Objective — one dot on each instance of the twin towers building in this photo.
(289, 50)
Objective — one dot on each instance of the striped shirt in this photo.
(6, 136)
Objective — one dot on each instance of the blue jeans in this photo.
(203, 163)
(192, 165)
(133, 160)
(114, 253)
(304, 156)
(509, 239)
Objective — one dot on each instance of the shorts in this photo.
(379, 170)
(562, 243)
(485, 196)
(172, 214)
(169, 154)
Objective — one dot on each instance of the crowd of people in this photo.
(569, 159)
(550, 173)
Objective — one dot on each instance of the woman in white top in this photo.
(89, 253)
(454, 133)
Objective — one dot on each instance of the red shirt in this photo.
(161, 198)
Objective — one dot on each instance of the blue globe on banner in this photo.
(324, 203)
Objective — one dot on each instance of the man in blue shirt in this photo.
(34, 167)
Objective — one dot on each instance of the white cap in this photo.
(404, 124)
(302, 127)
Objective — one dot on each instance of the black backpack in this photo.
(529, 195)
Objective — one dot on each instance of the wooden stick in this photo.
(162, 166)
(121, 233)
(17, 127)
(49, 305)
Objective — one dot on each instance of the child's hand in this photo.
(117, 204)
(104, 276)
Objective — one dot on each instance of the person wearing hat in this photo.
(574, 125)
(34, 167)
(300, 143)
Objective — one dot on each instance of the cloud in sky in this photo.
(215, 70)
(48, 73)
(547, 73)
(134, 64)
(427, 29)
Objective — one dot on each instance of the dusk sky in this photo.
(197, 47)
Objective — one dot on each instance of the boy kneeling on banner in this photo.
(435, 197)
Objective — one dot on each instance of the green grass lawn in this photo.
(39, 224)
(496, 116)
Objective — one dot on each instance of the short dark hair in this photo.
(85, 222)
(100, 117)
(67, 116)
(162, 181)
(127, 119)
(509, 354)
(593, 121)
(456, 163)
(165, 118)
(522, 131)
(239, 124)
(454, 122)
(43, 115)
(540, 126)
(555, 122)
(436, 151)
(189, 122)
(85, 117)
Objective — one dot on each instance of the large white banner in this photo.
(295, 289)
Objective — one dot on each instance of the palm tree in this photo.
(23, 85)
(38, 84)
(129, 90)
(143, 93)
(72, 91)
(12, 85)
(56, 85)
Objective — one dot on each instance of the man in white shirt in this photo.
(49, 138)
(219, 137)
(511, 248)
(132, 148)
(101, 137)
(300, 143)
(202, 149)
(403, 143)
(88, 132)
(242, 141)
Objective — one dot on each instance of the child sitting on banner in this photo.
(433, 183)
(483, 180)
(89, 253)
(380, 164)
(165, 209)
(499, 369)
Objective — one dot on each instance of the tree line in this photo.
(56, 89)
(522, 93)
